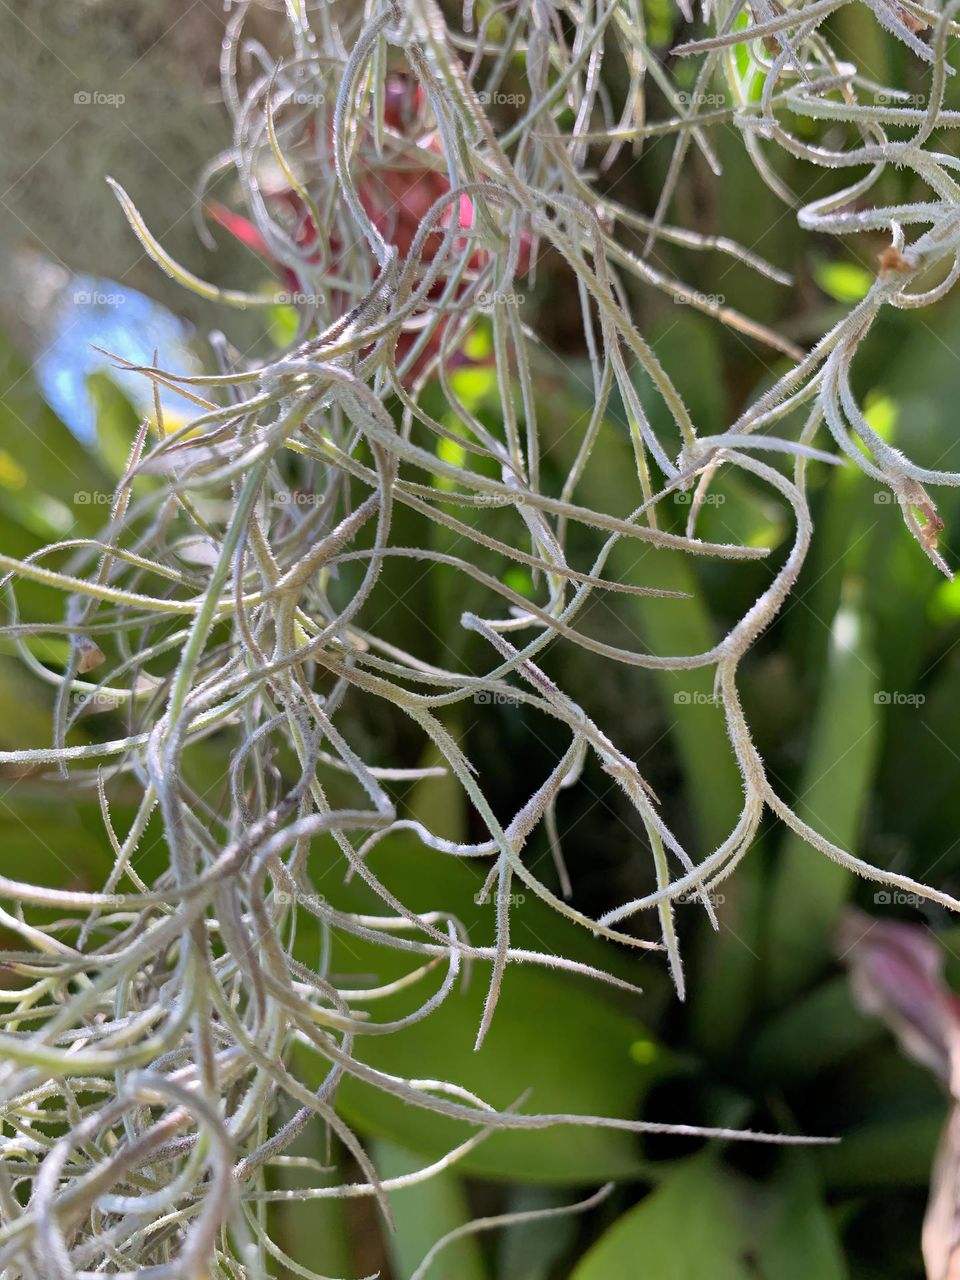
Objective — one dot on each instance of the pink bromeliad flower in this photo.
(397, 196)
(896, 972)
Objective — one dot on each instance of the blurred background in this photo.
(852, 694)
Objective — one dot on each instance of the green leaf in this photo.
(312, 1232)
(282, 323)
(423, 1215)
(561, 1037)
(800, 1239)
(723, 985)
(689, 1228)
(893, 1153)
(25, 708)
(812, 1033)
(705, 1221)
(440, 804)
(808, 888)
(551, 1036)
(54, 463)
(845, 281)
(117, 422)
(531, 1250)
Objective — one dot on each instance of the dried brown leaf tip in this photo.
(932, 526)
(89, 655)
(910, 21)
(926, 508)
(922, 519)
(892, 261)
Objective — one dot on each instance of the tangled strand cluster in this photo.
(148, 1030)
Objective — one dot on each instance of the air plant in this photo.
(152, 1026)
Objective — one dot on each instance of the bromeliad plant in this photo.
(404, 173)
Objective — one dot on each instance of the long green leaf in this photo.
(423, 1215)
(809, 889)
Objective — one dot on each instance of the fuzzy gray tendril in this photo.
(150, 1028)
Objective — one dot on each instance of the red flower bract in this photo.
(397, 194)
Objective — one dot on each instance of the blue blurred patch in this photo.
(98, 311)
